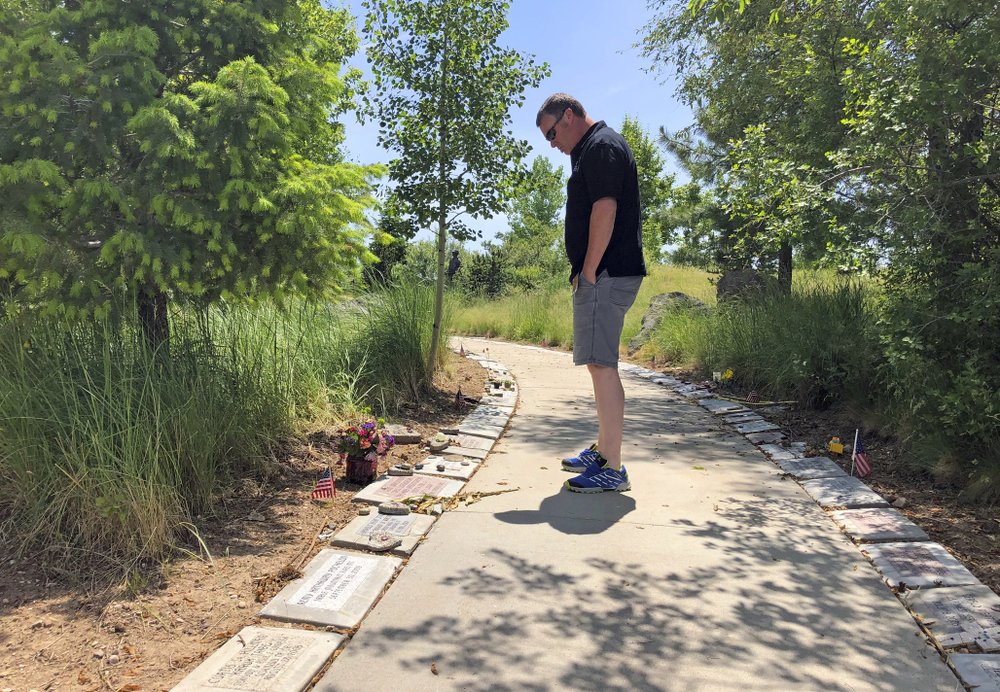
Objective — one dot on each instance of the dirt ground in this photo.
(58, 632)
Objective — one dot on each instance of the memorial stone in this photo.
(918, 565)
(811, 467)
(877, 525)
(745, 417)
(849, 493)
(337, 589)
(409, 529)
(979, 672)
(966, 616)
(766, 437)
(779, 453)
(470, 452)
(448, 468)
(720, 406)
(492, 432)
(755, 427)
(402, 487)
(473, 442)
(403, 434)
(264, 659)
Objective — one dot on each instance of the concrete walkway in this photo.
(713, 573)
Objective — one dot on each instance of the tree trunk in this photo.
(152, 307)
(442, 214)
(785, 268)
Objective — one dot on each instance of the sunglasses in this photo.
(551, 134)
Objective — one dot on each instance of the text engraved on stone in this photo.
(330, 588)
(262, 661)
(391, 524)
(408, 486)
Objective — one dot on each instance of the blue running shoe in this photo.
(605, 479)
(583, 461)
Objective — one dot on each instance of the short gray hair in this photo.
(557, 104)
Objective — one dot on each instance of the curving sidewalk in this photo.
(718, 571)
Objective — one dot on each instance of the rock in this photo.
(899, 502)
(113, 660)
(98, 653)
(437, 509)
(441, 467)
(393, 507)
(439, 443)
(418, 466)
(658, 307)
(255, 516)
(403, 434)
(742, 283)
(364, 511)
(381, 541)
(464, 463)
(241, 604)
(398, 470)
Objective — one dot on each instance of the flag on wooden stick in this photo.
(324, 486)
(859, 458)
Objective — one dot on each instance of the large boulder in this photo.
(742, 283)
(658, 307)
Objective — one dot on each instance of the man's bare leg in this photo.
(610, 397)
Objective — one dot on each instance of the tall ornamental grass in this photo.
(108, 450)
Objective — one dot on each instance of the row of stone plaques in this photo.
(336, 589)
(959, 611)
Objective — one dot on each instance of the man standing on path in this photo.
(604, 246)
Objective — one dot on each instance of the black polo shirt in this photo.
(603, 166)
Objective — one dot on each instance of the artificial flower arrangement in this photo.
(363, 444)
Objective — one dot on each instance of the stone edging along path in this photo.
(340, 585)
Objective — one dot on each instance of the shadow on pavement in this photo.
(561, 512)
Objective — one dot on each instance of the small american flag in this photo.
(325, 487)
(860, 458)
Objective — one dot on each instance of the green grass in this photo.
(107, 451)
(547, 316)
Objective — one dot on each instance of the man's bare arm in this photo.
(602, 223)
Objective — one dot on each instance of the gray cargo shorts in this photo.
(598, 315)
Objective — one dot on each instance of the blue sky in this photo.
(588, 46)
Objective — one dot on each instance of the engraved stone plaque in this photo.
(745, 417)
(918, 565)
(470, 452)
(766, 437)
(336, 589)
(500, 398)
(489, 431)
(410, 528)
(264, 659)
(719, 406)
(402, 487)
(699, 394)
(981, 672)
(473, 442)
(403, 434)
(485, 419)
(849, 493)
(755, 427)
(487, 410)
(811, 467)
(877, 525)
(453, 467)
(960, 616)
(779, 453)
(686, 388)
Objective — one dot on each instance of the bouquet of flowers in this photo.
(363, 444)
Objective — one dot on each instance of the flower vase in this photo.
(360, 470)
